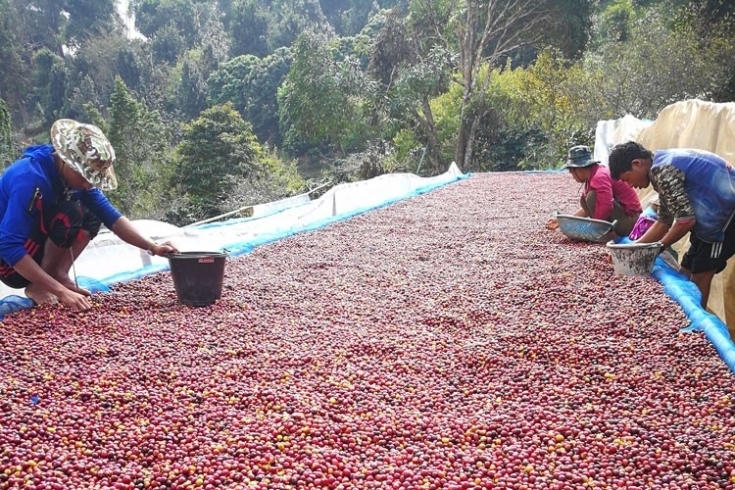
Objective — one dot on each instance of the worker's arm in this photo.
(127, 232)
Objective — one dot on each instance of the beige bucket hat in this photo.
(85, 149)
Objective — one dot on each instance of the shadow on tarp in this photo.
(11, 304)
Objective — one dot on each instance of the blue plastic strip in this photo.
(13, 303)
(686, 293)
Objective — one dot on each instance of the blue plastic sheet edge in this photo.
(14, 303)
(686, 293)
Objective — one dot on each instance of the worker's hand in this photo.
(552, 224)
(165, 248)
(74, 301)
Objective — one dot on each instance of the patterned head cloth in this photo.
(85, 149)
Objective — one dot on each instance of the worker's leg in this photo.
(705, 259)
(625, 222)
(588, 203)
(70, 227)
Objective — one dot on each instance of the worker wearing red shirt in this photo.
(602, 197)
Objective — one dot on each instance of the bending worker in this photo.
(696, 195)
(52, 205)
(602, 197)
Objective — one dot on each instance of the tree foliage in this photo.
(654, 67)
(319, 99)
(251, 84)
(14, 61)
(490, 84)
(218, 149)
(50, 79)
(143, 165)
(248, 22)
(6, 134)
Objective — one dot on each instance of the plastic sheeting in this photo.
(613, 131)
(108, 260)
(687, 295)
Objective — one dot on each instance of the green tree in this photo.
(248, 23)
(251, 84)
(410, 77)
(50, 82)
(168, 44)
(713, 23)
(615, 21)
(14, 60)
(88, 19)
(6, 135)
(654, 67)
(58, 23)
(349, 17)
(463, 37)
(104, 58)
(182, 15)
(572, 32)
(44, 23)
(143, 166)
(191, 96)
(488, 32)
(294, 18)
(217, 150)
(83, 97)
(319, 99)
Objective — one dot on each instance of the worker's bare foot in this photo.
(40, 296)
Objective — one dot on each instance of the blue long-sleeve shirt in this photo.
(19, 216)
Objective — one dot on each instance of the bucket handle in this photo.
(169, 255)
(607, 233)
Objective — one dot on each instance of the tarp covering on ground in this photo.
(687, 124)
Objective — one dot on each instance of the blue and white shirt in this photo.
(694, 184)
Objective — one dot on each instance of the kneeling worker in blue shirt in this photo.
(51, 202)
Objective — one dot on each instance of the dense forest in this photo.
(214, 104)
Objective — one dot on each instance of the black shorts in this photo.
(62, 223)
(705, 256)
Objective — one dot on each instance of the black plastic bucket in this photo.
(198, 276)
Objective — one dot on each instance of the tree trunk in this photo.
(464, 132)
(426, 123)
(470, 151)
(460, 152)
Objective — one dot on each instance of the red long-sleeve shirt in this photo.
(608, 191)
